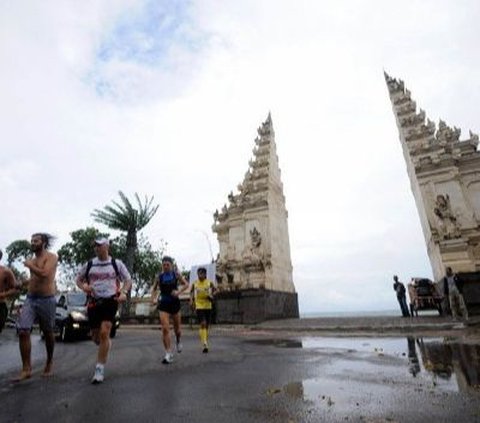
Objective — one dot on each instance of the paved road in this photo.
(249, 376)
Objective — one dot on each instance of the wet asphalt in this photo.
(262, 375)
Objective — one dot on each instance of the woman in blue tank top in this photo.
(168, 304)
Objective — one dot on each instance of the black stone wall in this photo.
(471, 290)
(255, 306)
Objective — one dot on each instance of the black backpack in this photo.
(90, 264)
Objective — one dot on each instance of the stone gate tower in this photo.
(444, 174)
(252, 231)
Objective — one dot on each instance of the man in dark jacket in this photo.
(453, 291)
(399, 288)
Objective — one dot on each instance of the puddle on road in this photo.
(445, 363)
(281, 343)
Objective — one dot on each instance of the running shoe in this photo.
(179, 347)
(98, 376)
(167, 359)
(205, 348)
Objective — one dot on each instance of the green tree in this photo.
(17, 252)
(124, 217)
(147, 263)
(76, 252)
(80, 249)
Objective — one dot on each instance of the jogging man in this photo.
(168, 304)
(8, 288)
(201, 298)
(40, 303)
(100, 279)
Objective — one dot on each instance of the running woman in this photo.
(166, 292)
(201, 298)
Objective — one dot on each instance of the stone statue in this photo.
(447, 221)
(447, 134)
(430, 125)
(255, 237)
(252, 254)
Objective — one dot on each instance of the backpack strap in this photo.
(115, 267)
(89, 267)
(87, 271)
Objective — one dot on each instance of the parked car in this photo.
(71, 318)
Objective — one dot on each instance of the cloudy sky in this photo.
(163, 98)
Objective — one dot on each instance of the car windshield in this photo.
(77, 298)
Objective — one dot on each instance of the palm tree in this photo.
(124, 217)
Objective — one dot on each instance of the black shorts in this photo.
(170, 307)
(3, 315)
(203, 315)
(102, 310)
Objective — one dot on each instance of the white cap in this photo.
(102, 241)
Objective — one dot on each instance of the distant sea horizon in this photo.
(361, 313)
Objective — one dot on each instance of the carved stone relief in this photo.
(448, 226)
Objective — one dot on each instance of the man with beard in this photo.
(39, 304)
(8, 288)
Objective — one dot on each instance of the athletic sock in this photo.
(203, 335)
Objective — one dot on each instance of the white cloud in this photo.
(186, 90)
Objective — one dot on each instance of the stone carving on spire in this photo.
(445, 134)
(473, 136)
(252, 253)
(266, 127)
(255, 237)
(252, 228)
(413, 120)
(407, 109)
(448, 226)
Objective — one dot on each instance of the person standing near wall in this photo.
(399, 288)
(452, 290)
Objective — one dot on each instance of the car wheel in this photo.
(65, 333)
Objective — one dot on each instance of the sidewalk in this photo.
(371, 324)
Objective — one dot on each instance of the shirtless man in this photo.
(8, 288)
(40, 303)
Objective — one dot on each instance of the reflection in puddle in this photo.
(444, 360)
(281, 343)
(448, 363)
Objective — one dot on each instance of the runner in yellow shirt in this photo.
(201, 297)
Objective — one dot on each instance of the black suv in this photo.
(71, 319)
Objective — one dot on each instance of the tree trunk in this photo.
(131, 245)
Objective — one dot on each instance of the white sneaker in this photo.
(98, 376)
(168, 358)
(179, 347)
